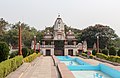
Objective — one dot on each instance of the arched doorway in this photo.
(59, 48)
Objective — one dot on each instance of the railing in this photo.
(47, 46)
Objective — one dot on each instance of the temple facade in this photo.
(59, 42)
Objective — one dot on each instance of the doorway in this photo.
(48, 53)
(70, 52)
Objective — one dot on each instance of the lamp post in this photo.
(34, 43)
(97, 44)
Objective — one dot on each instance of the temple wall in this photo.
(44, 50)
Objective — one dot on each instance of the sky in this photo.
(75, 13)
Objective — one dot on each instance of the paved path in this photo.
(42, 67)
(96, 62)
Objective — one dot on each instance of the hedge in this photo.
(10, 65)
(114, 59)
(84, 54)
(110, 58)
(91, 56)
(31, 57)
(102, 56)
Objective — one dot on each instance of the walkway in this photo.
(42, 67)
(96, 62)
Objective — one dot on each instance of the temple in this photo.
(59, 42)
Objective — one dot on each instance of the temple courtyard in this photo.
(43, 67)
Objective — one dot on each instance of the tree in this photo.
(112, 51)
(25, 52)
(3, 25)
(4, 51)
(105, 51)
(105, 34)
(118, 53)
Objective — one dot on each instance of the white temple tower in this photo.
(59, 29)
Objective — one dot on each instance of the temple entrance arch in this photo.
(59, 48)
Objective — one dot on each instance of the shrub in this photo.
(84, 54)
(114, 59)
(112, 51)
(118, 59)
(31, 57)
(25, 52)
(94, 52)
(118, 53)
(91, 56)
(4, 51)
(9, 65)
(102, 56)
(105, 51)
(13, 54)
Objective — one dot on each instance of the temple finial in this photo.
(58, 15)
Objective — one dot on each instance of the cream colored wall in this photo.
(66, 51)
(44, 50)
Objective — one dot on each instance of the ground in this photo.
(43, 67)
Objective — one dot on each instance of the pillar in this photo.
(20, 41)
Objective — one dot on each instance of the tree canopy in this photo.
(105, 33)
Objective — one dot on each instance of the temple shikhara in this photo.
(59, 42)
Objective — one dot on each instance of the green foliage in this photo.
(10, 65)
(94, 52)
(25, 52)
(118, 53)
(13, 54)
(31, 57)
(110, 58)
(112, 51)
(105, 35)
(114, 59)
(91, 56)
(105, 51)
(3, 25)
(84, 54)
(102, 56)
(31, 51)
(4, 51)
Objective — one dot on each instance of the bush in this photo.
(31, 57)
(105, 51)
(4, 51)
(10, 65)
(25, 52)
(118, 53)
(94, 52)
(118, 59)
(31, 51)
(112, 51)
(114, 59)
(84, 54)
(91, 56)
(102, 56)
(13, 54)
